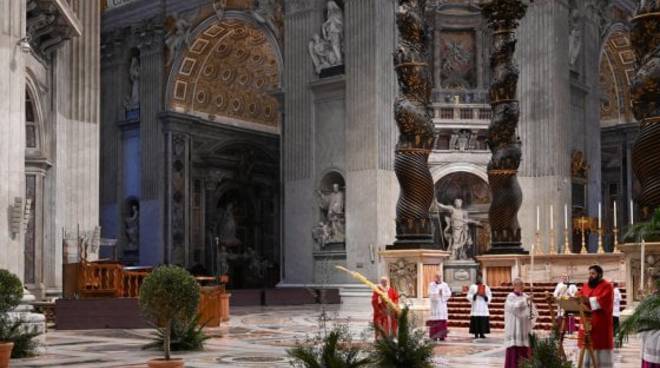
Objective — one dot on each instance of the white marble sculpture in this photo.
(180, 36)
(457, 232)
(132, 101)
(332, 205)
(219, 8)
(326, 48)
(228, 227)
(575, 37)
(132, 228)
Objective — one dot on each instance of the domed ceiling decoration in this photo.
(616, 68)
(227, 75)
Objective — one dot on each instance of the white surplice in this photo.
(616, 312)
(479, 306)
(518, 320)
(439, 295)
(564, 290)
(651, 346)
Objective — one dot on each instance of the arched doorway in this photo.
(37, 165)
(474, 193)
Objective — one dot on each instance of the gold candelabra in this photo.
(601, 250)
(553, 245)
(567, 249)
(537, 242)
(616, 240)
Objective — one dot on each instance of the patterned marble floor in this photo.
(259, 337)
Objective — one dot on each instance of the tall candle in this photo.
(566, 216)
(615, 225)
(552, 221)
(632, 211)
(643, 255)
(538, 218)
(600, 215)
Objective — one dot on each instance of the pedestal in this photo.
(411, 270)
(460, 273)
(33, 322)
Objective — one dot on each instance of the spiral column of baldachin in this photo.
(503, 17)
(411, 110)
(645, 92)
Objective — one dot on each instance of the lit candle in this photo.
(615, 225)
(600, 215)
(632, 211)
(566, 216)
(538, 218)
(552, 221)
(643, 255)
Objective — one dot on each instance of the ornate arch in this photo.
(439, 172)
(617, 60)
(36, 120)
(228, 74)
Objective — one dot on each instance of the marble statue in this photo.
(457, 231)
(219, 8)
(264, 10)
(133, 228)
(132, 101)
(575, 37)
(332, 205)
(180, 36)
(227, 229)
(325, 49)
(333, 28)
(321, 234)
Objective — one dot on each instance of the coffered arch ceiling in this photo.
(617, 62)
(228, 74)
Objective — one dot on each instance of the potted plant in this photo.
(169, 295)
(11, 293)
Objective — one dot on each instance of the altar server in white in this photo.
(439, 293)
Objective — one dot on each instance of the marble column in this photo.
(152, 148)
(302, 20)
(371, 186)
(178, 198)
(545, 120)
(12, 129)
(76, 118)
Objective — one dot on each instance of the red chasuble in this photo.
(602, 325)
(383, 317)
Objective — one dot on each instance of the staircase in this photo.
(459, 306)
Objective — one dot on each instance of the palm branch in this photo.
(649, 230)
(358, 276)
(408, 349)
(645, 318)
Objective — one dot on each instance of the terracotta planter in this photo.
(209, 306)
(162, 363)
(5, 353)
(224, 306)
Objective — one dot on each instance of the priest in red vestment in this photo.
(384, 317)
(600, 295)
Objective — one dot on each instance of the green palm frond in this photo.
(545, 353)
(185, 336)
(649, 231)
(645, 318)
(335, 350)
(408, 349)
(21, 335)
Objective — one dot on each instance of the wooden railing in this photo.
(132, 282)
(100, 279)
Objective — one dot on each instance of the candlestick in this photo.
(567, 250)
(565, 216)
(643, 265)
(538, 249)
(583, 248)
(552, 247)
(616, 240)
(600, 241)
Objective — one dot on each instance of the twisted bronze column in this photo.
(645, 92)
(503, 17)
(411, 111)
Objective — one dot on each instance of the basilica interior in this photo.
(269, 144)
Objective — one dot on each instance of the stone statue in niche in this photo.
(132, 101)
(132, 223)
(321, 234)
(227, 227)
(332, 227)
(326, 49)
(246, 164)
(462, 140)
(457, 232)
(180, 35)
(219, 8)
(403, 276)
(575, 37)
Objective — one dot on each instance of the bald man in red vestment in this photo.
(384, 317)
(600, 294)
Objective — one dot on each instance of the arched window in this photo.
(31, 133)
